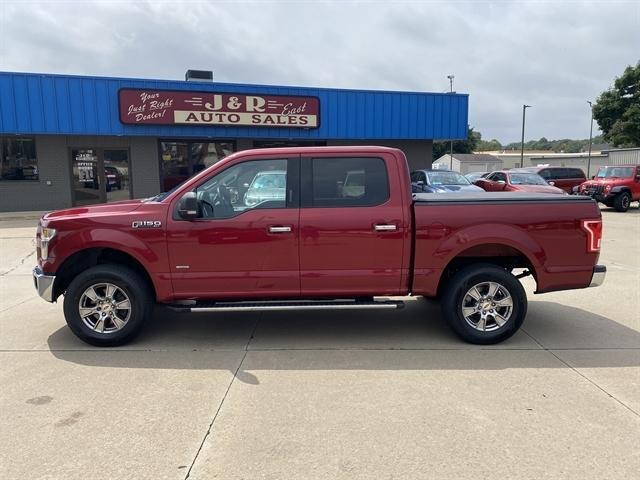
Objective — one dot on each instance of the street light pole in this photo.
(590, 139)
(524, 110)
(451, 77)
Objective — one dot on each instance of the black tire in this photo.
(455, 297)
(622, 201)
(130, 284)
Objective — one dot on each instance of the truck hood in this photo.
(538, 189)
(93, 210)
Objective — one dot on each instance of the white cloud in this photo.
(552, 55)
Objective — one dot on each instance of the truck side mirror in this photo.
(593, 177)
(552, 183)
(188, 206)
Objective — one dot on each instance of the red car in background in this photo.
(508, 181)
(565, 178)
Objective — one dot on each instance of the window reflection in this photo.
(181, 160)
(18, 159)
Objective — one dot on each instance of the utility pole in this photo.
(451, 77)
(524, 110)
(590, 140)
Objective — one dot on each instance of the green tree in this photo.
(459, 146)
(489, 146)
(617, 110)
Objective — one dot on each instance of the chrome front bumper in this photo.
(599, 272)
(43, 284)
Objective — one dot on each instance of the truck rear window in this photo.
(349, 182)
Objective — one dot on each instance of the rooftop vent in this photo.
(198, 76)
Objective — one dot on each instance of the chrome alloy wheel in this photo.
(487, 306)
(104, 308)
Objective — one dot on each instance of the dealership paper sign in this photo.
(163, 107)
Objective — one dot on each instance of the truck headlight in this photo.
(46, 234)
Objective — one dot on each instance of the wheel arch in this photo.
(494, 253)
(92, 256)
(621, 189)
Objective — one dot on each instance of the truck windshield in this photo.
(527, 179)
(614, 172)
(447, 178)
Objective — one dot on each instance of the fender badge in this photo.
(146, 224)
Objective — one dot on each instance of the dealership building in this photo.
(77, 140)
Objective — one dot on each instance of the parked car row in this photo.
(444, 181)
(614, 186)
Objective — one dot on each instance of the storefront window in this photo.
(18, 160)
(181, 160)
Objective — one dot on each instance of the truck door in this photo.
(244, 242)
(352, 225)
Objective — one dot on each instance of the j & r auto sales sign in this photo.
(163, 107)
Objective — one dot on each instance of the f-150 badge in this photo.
(146, 224)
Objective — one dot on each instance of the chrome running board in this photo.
(205, 307)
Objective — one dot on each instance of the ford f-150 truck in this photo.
(215, 243)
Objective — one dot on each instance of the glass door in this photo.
(100, 175)
(87, 183)
(116, 173)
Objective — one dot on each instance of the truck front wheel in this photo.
(622, 201)
(107, 305)
(484, 304)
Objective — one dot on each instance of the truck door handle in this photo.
(385, 228)
(280, 229)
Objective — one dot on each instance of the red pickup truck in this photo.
(311, 228)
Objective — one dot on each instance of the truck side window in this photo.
(349, 182)
(242, 187)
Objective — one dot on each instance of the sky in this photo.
(553, 55)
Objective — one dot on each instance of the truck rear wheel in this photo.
(622, 201)
(484, 304)
(107, 305)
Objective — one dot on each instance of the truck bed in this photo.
(542, 230)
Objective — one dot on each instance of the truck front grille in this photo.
(595, 189)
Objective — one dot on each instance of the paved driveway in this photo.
(326, 395)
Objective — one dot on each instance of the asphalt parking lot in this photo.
(326, 395)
